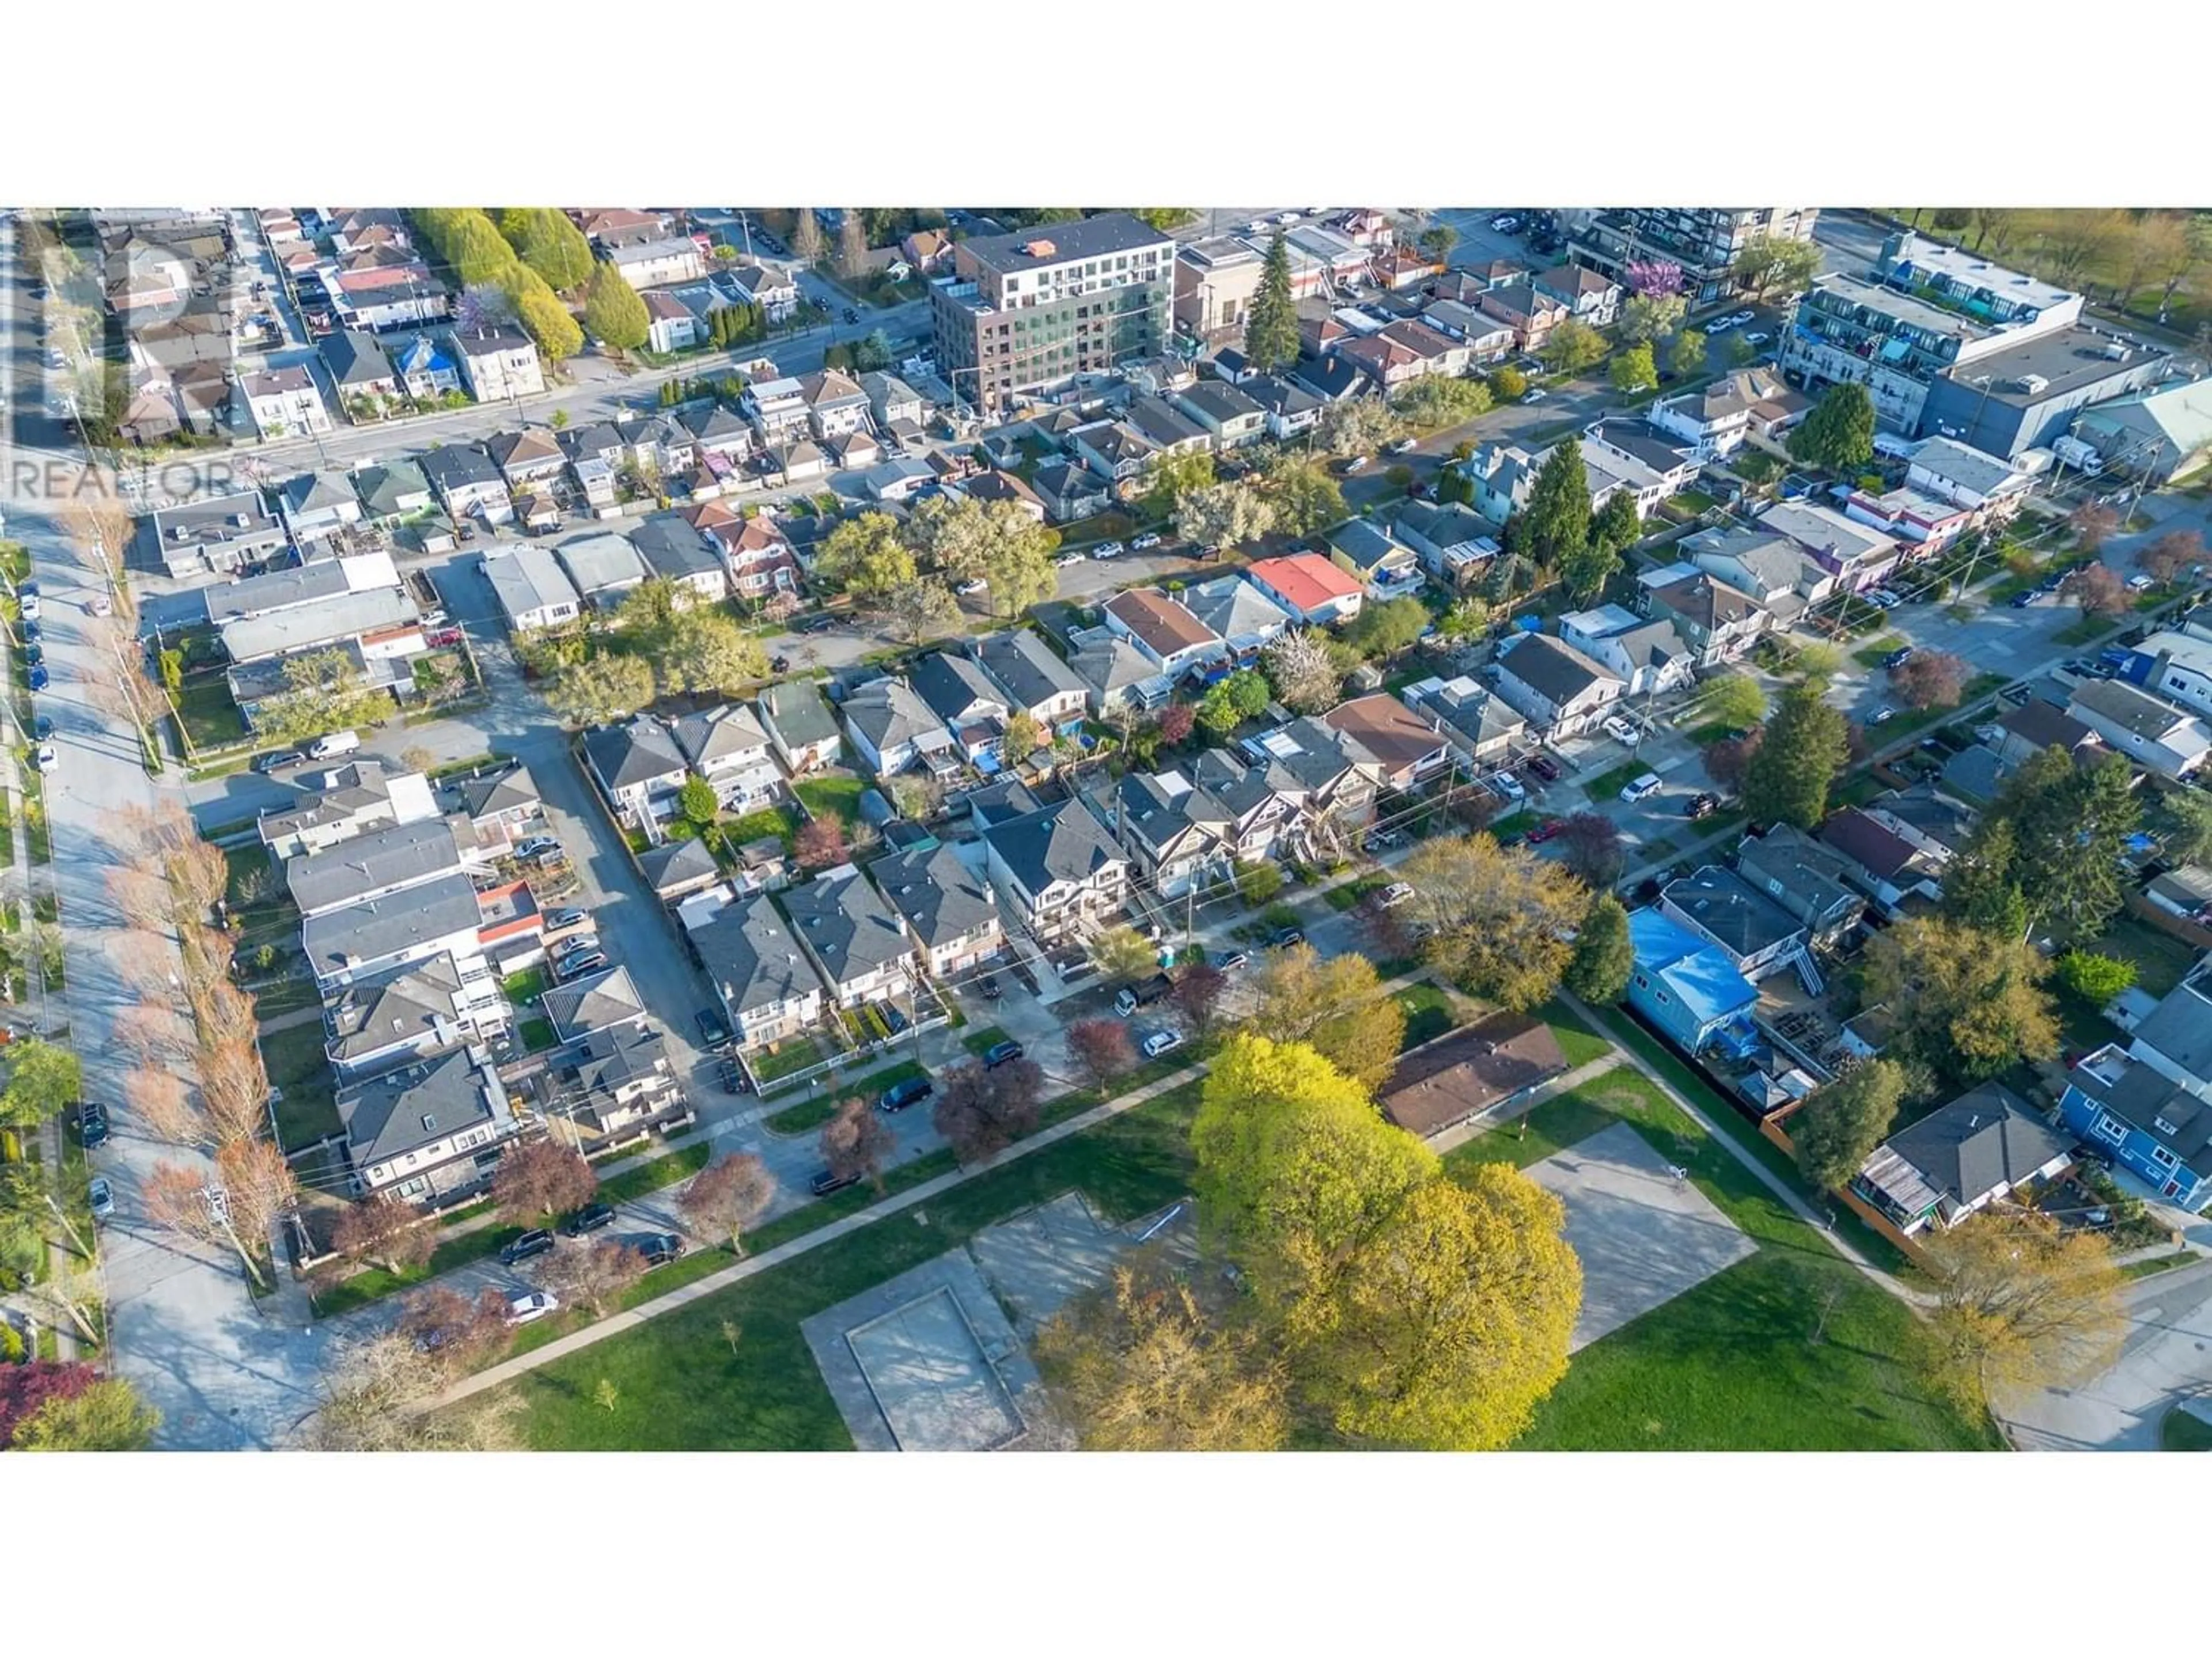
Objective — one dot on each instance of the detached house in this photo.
(638, 767)
(1479, 728)
(604, 567)
(427, 1130)
(673, 549)
(1160, 628)
(859, 943)
(1718, 623)
(285, 403)
(1530, 314)
(1718, 421)
(1767, 566)
(1859, 557)
(760, 561)
(1117, 675)
(1244, 619)
(1033, 679)
(498, 363)
(727, 745)
(1310, 588)
(1387, 566)
(1805, 877)
(1647, 653)
(1230, 418)
(950, 912)
(767, 985)
(2155, 733)
(1452, 539)
(532, 590)
(1059, 871)
(359, 368)
(1175, 832)
(2158, 1129)
(966, 702)
(1959, 1160)
(1561, 690)
(835, 405)
(893, 729)
(468, 485)
(531, 457)
(1407, 749)
(776, 294)
(1590, 296)
(800, 726)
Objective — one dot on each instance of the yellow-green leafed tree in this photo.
(2021, 1304)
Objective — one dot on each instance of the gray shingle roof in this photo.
(381, 927)
(888, 712)
(1977, 1144)
(2180, 1027)
(950, 685)
(676, 864)
(940, 897)
(751, 957)
(797, 712)
(637, 751)
(397, 855)
(844, 921)
(1736, 914)
(1024, 668)
(606, 997)
(386, 1116)
(1062, 843)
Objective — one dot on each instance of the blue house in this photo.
(1688, 988)
(2156, 1129)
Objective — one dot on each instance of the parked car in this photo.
(100, 606)
(826, 1182)
(988, 985)
(659, 1249)
(974, 586)
(1881, 716)
(999, 1053)
(1619, 730)
(536, 1242)
(589, 1219)
(1130, 997)
(103, 1197)
(1145, 542)
(32, 632)
(1702, 807)
(1757, 336)
(569, 947)
(270, 763)
(1230, 961)
(1505, 784)
(92, 1123)
(1402, 447)
(1543, 767)
(572, 915)
(1355, 464)
(1064, 560)
(1106, 550)
(779, 665)
(39, 678)
(42, 728)
(1393, 896)
(1641, 788)
(575, 967)
(713, 1030)
(1897, 657)
(1887, 598)
(1505, 224)
(538, 846)
(900, 1096)
(815, 625)
(29, 602)
(1286, 937)
(1161, 1042)
(1534, 394)
(1544, 831)
(732, 1076)
(46, 757)
(2025, 598)
(531, 1304)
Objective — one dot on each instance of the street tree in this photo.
(1197, 994)
(2022, 1303)
(2170, 557)
(983, 1109)
(1805, 747)
(1556, 523)
(1839, 434)
(1604, 954)
(550, 325)
(1121, 953)
(1508, 385)
(459, 1332)
(852, 246)
(1633, 370)
(2099, 590)
(234, 1088)
(1571, 347)
(1969, 1004)
(1437, 242)
(105, 1416)
(1334, 1005)
(613, 314)
(163, 1106)
(807, 238)
(1102, 1048)
(1930, 679)
(373, 1389)
(1440, 400)
(866, 556)
(1687, 352)
(323, 692)
(1271, 325)
(540, 1178)
(1224, 515)
(384, 1229)
(1646, 317)
(1593, 848)
(2153, 251)
(1302, 674)
(1765, 264)
(601, 690)
(1356, 426)
(1817, 659)
(1141, 1365)
(1842, 1121)
(43, 1078)
(1734, 700)
(856, 1142)
(728, 1196)
(2092, 524)
(1653, 277)
(921, 609)
(2080, 238)
(596, 1276)
(1498, 920)
(548, 241)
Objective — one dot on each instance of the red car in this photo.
(1544, 831)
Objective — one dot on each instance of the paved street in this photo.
(2167, 1357)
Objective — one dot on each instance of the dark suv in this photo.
(900, 1096)
(589, 1219)
(827, 1182)
(658, 1249)
(999, 1053)
(536, 1242)
(92, 1123)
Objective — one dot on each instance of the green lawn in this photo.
(1870, 654)
(536, 1033)
(981, 1042)
(297, 1066)
(2158, 1264)
(832, 797)
(1578, 1042)
(2087, 631)
(1431, 1012)
(682, 1388)
(790, 1055)
(525, 987)
(211, 718)
(1732, 1364)
(813, 1114)
(2160, 959)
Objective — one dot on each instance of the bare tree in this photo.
(155, 1030)
(537, 1178)
(185, 1202)
(458, 1332)
(1197, 993)
(258, 1187)
(595, 1277)
(981, 1110)
(1930, 679)
(374, 1393)
(2170, 557)
(855, 1142)
(197, 876)
(143, 898)
(728, 1196)
(1102, 1048)
(2092, 524)
(160, 1102)
(2097, 590)
(384, 1229)
(234, 1088)
(1594, 850)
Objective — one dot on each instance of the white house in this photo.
(2148, 730)
(651, 264)
(498, 363)
(638, 766)
(532, 590)
(285, 403)
(1560, 689)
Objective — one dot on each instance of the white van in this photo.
(1645, 785)
(338, 743)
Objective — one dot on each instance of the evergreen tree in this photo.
(1806, 745)
(1556, 522)
(613, 313)
(1604, 955)
(1839, 434)
(1271, 327)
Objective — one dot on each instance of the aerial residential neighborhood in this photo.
(922, 829)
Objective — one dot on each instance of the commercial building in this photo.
(2006, 403)
(1704, 241)
(1214, 283)
(1032, 311)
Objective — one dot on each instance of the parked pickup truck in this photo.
(1131, 998)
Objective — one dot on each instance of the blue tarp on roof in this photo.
(1699, 974)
